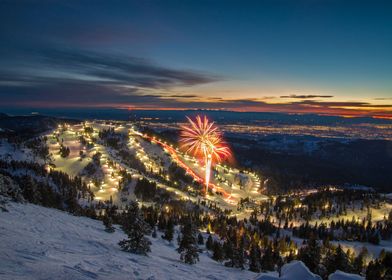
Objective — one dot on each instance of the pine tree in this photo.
(387, 263)
(161, 222)
(200, 239)
(374, 270)
(238, 259)
(217, 251)
(228, 250)
(135, 227)
(310, 254)
(154, 233)
(337, 260)
(107, 222)
(359, 261)
(255, 258)
(209, 242)
(169, 231)
(267, 261)
(30, 190)
(290, 257)
(342, 260)
(188, 247)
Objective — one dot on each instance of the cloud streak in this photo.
(77, 78)
(81, 77)
(122, 70)
(309, 96)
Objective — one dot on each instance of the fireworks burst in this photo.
(203, 139)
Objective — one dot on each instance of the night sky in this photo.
(326, 57)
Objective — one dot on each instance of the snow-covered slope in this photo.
(340, 275)
(295, 270)
(11, 152)
(43, 243)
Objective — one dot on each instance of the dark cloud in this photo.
(123, 70)
(79, 77)
(309, 96)
(244, 102)
(80, 95)
(358, 104)
(184, 96)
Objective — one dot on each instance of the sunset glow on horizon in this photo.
(296, 57)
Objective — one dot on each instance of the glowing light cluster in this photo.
(202, 139)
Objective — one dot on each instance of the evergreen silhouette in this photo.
(169, 231)
(135, 227)
(188, 244)
(217, 251)
(310, 254)
(107, 222)
(200, 239)
(209, 243)
(255, 258)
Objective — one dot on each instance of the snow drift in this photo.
(295, 270)
(340, 275)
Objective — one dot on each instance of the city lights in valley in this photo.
(203, 139)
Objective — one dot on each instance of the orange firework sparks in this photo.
(202, 138)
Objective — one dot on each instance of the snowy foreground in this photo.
(44, 243)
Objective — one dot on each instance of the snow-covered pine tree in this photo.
(135, 227)
(188, 244)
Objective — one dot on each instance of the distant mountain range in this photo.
(27, 125)
(179, 115)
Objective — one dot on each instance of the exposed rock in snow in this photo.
(295, 270)
(340, 275)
